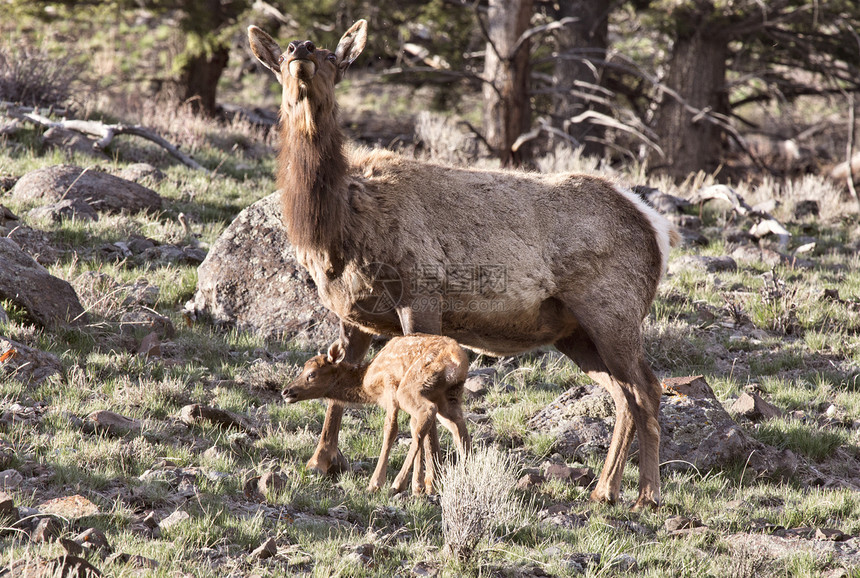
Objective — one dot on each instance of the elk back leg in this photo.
(451, 417)
(431, 458)
(636, 393)
(420, 424)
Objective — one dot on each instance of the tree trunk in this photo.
(206, 53)
(506, 69)
(200, 77)
(697, 73)
(579, 43)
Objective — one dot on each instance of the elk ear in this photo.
(336, 353)
(265, 49)
(351, 44)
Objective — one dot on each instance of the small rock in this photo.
(112, 423)
(71, 565)
(93, 540)
(753, 407)
(361, 554)
(47, 530)
(194, 413)
(270, 483)
(150, 346)
(23, 363)
(71, 547)
(150, 520)
(267, 549)
(675, 523)
(632, 527)
(806, 208)
(173, 520)
(77, 209)
(478, 382)
(8, 512)
(831, 535)
(581, 562)
(133, 560)
(10, 479)
(576, 476)
(340, 512)
(142, 173)
(804, 532)
(624, 563)
(69, 507)
(703, 263)
(425, 570)
(529, 481)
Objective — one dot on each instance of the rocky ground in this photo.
(146, 329)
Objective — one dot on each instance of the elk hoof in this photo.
(645, 503)
(328, 466)
(602, 497)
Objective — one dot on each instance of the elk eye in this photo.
(312, 376)
(332, 57)
(281, 59)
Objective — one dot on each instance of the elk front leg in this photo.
(327, 458)
(389, 435)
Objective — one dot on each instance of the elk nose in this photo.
(301, 49)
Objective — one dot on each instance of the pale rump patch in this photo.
(667, 234)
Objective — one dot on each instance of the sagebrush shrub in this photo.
(33, 77)
(477, 496)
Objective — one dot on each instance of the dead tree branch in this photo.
(104, 132)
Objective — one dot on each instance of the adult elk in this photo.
(421, 374)
(501, 261)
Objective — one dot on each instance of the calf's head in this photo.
(320, 376)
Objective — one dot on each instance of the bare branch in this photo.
(105, 132)
(610, 122)
(525, 36)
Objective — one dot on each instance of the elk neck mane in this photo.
(312, 173)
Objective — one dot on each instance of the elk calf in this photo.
(421, 374)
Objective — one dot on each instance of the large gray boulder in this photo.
(49, 300)
(251, 280)
(103, 192)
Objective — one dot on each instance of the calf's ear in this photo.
(336, 352)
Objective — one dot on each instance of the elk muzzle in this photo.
(289, 395)
(300, 62)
